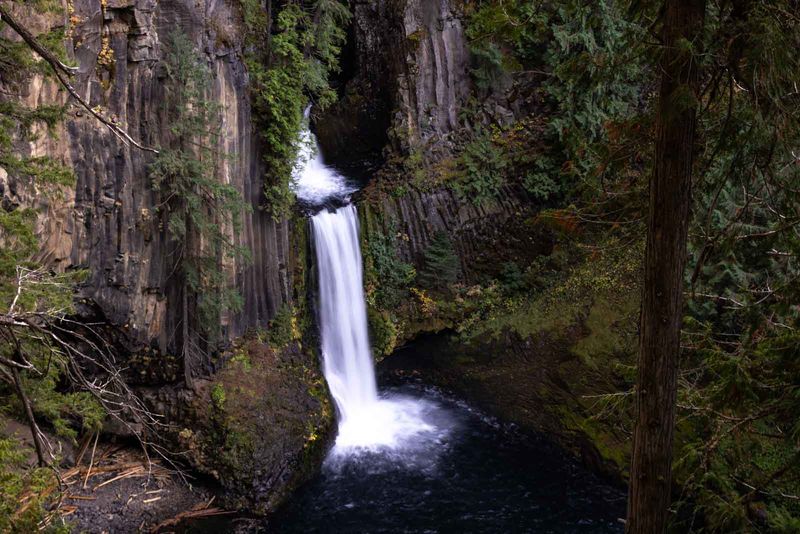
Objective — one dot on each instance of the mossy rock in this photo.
(262, 425)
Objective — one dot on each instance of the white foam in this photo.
(312, 180)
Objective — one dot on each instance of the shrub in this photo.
(441, 266)
(392, 275)
(483, 164)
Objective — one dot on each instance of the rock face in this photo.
(410, 81)
(109, 223)
(409, 84)
(268, 431)
(480, 233)
(435, 81)
(259, 427)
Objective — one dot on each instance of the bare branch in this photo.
(62, 73)
(79, 347)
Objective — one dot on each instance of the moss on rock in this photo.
(261, 426)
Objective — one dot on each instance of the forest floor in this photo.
(120, 492)
(112, 488)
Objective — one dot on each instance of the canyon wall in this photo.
(408, 82)
(109, 223)
(257, 420)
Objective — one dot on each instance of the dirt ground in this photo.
(121, 493)
(111, 488)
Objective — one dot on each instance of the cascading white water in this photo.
(366, 420)
(343, 316)
(313, 181)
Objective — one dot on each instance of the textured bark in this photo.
(662, 299)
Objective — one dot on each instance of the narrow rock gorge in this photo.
(404, 87)
(364, 263)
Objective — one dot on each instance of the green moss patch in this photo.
(261, 426)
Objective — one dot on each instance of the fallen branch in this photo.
(200, 510)
(91, 460)
(62, 73)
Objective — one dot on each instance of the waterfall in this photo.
(342, 312)
(313, 181)
(367, 420)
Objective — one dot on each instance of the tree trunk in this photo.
(665, 259)
(186, 301)
(187, 354)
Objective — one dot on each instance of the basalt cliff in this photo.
(256, 414)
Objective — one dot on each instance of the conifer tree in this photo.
(665, 259)
(202, 214)
(441, 266)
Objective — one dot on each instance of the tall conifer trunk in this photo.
(662, 298)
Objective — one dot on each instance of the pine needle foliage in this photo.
(483, 164)
(441, 266)
(293, 48)
(202, 213)
(18, 483)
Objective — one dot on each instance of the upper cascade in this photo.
(313, 182)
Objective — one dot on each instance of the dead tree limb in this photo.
(23, 397)
(63, 72)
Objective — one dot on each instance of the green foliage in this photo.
(383, 332)
(595, 76)
(484, 165)
(501, 36)
(44, 175)
(736, 442)
(202, 213)
(541, 182)
(553, 292)
(783, 522)
(489, 65)
(512, 278)
(68, 412)
(33, 290)
(218, 397)
(391, 275)
(441, 266)
(285, 70)
(17, 125)
(17, 481)
(283, 328)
